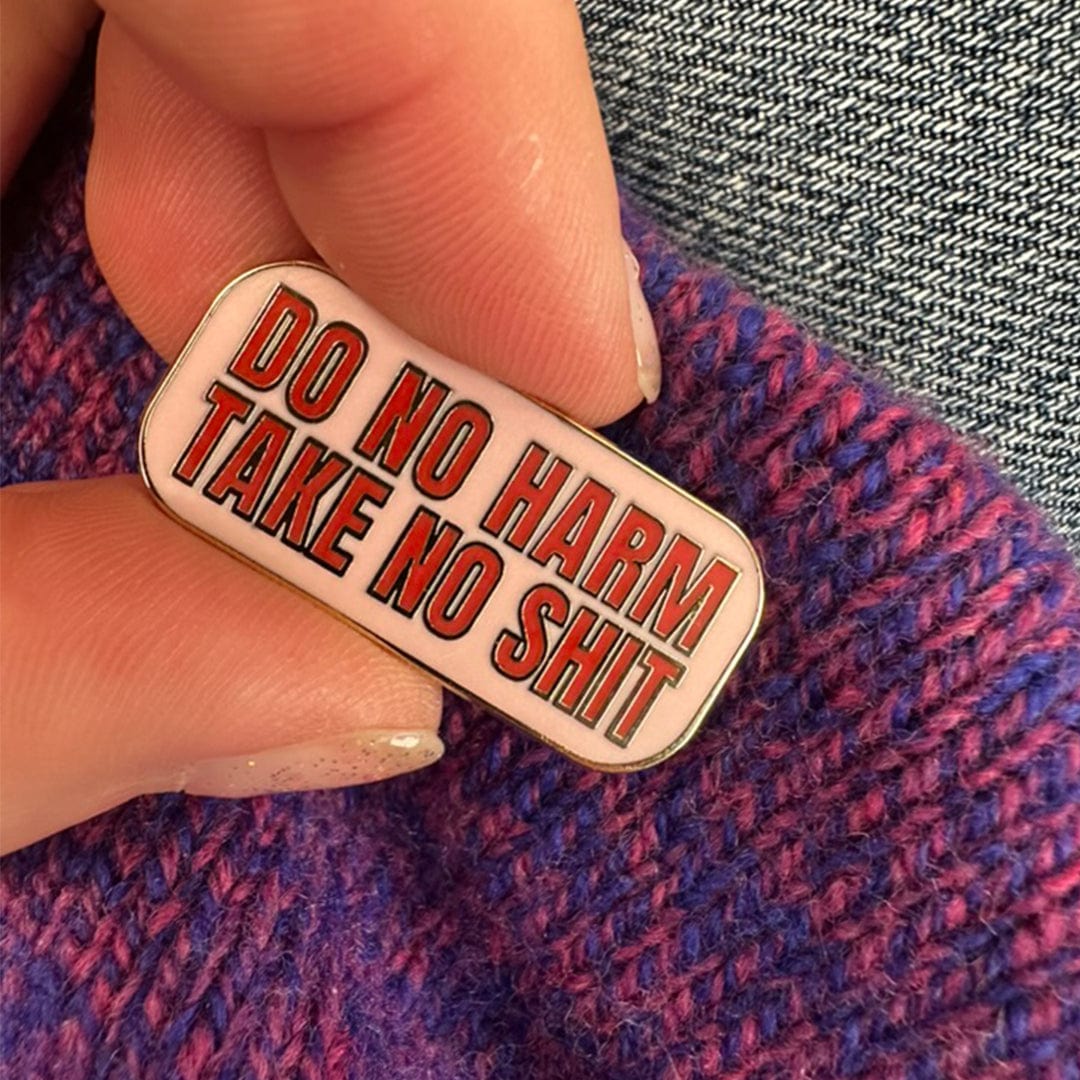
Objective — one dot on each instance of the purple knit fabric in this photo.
(867, 863)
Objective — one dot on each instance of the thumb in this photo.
(137, 659)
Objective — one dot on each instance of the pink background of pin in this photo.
(180, 406)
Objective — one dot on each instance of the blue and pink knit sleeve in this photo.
(866, 864)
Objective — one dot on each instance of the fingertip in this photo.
(41, 43)
(359, 757)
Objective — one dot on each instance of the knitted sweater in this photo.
(866, 863)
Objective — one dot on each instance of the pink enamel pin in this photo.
(518, 558)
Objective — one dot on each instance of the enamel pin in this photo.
(518, 558)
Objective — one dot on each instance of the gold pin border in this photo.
(609, 767)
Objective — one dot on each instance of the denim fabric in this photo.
(902, 175)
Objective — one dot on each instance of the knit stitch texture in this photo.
(867, 863)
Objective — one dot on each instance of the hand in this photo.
(448, 161)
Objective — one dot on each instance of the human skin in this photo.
(453, 171)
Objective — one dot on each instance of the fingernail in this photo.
(648, 349)
(358, 758)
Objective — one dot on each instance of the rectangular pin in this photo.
(518, 558)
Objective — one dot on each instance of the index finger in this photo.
(448, 162)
